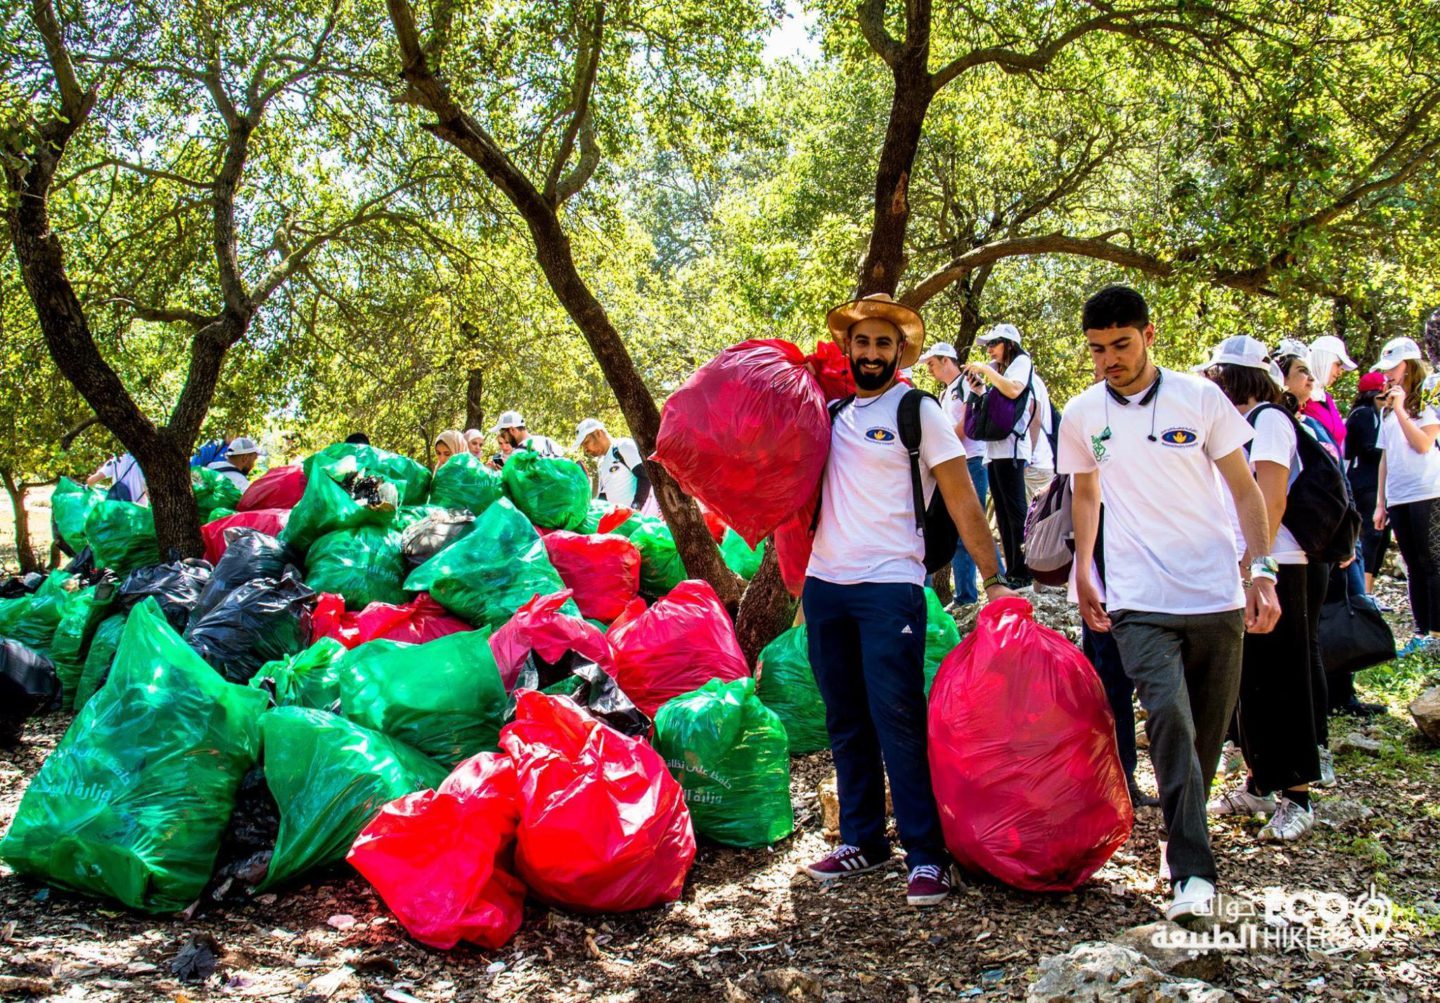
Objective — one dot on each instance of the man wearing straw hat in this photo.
(865, 602)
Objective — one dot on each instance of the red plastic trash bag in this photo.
(1023, 757)
(793, 543)
(278, 487)
(442, 859)
(417, 621)
(832, 370)
(602, 571)
(539, 626)
(748, 435)
(615, 517)
(677, 645)
(603, 824)
(269, 521)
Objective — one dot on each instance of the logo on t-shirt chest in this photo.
(880, 435)
(1180, 437)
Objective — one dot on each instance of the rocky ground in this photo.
(749, 929)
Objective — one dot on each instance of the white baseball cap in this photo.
(1289, 347)
(585, 428)
(1336, 347)
(1396, 351)
(1007, 331)
(939, 350)
(1243, 350)
(509, 419)
(242, 446)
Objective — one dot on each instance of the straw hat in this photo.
(881, 305)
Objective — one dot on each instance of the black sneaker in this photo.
(1139, 798)
(1358, 708)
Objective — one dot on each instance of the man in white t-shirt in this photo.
(240, 458)
(619, 470)
(944, 364)
(126, 477)
(1149, 442)
(511, 429)
(865, 602)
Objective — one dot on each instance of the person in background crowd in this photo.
(943, 363)
(511, 429)
(475, 442)
(620, 473)
(357, 439)
(1277, 712)
(1159, 444)
(1408, 496)
(1362, 467)
(240, 458)
(209, 452)
(1041, 468)
(1292, 357)
(1010, 371)
(127, 480)
(448, 443)
(1328, 359)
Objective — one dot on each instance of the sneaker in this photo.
(1241, 802)
(1327, 768)
(842, 862)
(1139, 798)
(928, 884)
(1194, 900)
(1232, 760)
(1290, 821)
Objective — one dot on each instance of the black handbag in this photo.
(1353, 634)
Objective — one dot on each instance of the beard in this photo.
(874, 381)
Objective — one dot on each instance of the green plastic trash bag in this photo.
(133, 802)
(463, 481)
(443, 697)
(220, 513)
(408, 515)
(597, 510)
(364, 565)
(345, 458)
(660, 566)
(309, 679)
(738, 555)
(32, 620)
(213, 490)
(330, 777)
(121, 534)
(326, 507)
(99, 658)
(69, 505)
(787, 686)
(941, 636)
(730, 754)
(486, 576)
(553, 493)
(84, 611)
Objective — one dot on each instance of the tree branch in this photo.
(580, 124)
(872, 25)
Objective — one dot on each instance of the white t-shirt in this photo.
(1017, 446)
(126, 470)
(952, 402)
(867, 516)
(1168, 542)
(1274, 441)
(1409, 476)
(617, 483)
(1042, 456)
(227, 470)
(544, 445)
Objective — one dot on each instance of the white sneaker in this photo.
(1290, 821)
(1194, 899)
(1241, 802)
(1232, 761)
(1327, 768)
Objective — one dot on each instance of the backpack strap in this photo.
(834, 407)
(908, 418)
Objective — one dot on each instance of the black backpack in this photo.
(1319, 510)
(941, 536)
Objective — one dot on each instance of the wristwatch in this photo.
(992, 580)
(1264, 567)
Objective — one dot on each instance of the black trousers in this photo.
(1417, 531)
(1317, 584)
(1276, 714)
(1373, 542)
(1007, 487)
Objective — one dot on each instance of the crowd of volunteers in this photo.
(579, 709)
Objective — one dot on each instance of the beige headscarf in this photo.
(454, 440)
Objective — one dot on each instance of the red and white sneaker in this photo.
(842, 862)
(929, 884)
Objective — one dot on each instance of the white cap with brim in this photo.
(1243, 350)
(585, 429)
(1396, 351)
(1336, 347)
(939, 350)
(1007, 331)
(508, 419)
(242, 446)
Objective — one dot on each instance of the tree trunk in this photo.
(172, 499)
(766, 608)
(885, 257)
(24, 551)
(474, 404)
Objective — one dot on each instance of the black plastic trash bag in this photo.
(261, 621)
(588, 685)
(249, 554)
(434, 533)
(28, 686)
(176, 587)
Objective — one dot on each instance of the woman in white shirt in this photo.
(1009, 372)
(1276, 714)
(1410, 482)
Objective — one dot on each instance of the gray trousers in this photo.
(1186, 670)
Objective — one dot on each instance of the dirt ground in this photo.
(749, 928)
